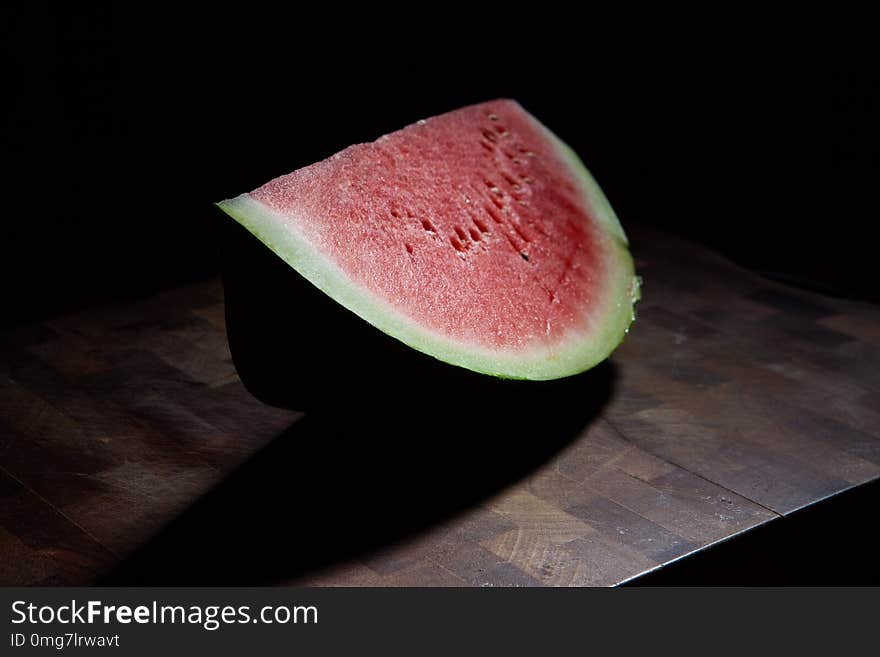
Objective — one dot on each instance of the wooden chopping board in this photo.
(736, 401)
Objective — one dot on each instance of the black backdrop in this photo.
(122, 127)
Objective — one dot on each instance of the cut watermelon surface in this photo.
(476, 236)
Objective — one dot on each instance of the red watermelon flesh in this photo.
(475, 236)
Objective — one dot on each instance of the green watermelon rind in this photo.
(573, 355)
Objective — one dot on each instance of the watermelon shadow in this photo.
(392, 443)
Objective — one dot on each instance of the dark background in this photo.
(123, 126)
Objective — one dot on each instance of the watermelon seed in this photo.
(513, 243)
(479, 224)
(395, 214)
(428, 226)
(494, 214)
(475, 234)
(488, 134)
(421, 122)
(493, 117)
(460, 233)
(525, 256)
(458, 246)
(500, 129)
(519, 231)
(409, 248)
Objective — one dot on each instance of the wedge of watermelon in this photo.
(476, 237)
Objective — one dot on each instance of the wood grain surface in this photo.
(736, 401)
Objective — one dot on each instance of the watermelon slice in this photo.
(476, 236)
